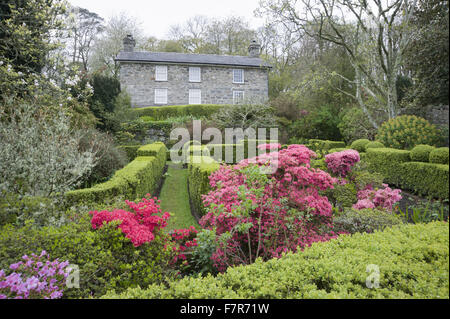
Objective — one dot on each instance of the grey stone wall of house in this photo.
(138, 79)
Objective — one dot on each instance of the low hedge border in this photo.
(439, 155)
(324, 145)
(386, 161)
(425, 179)
(198, 181)
(139, 177)
(165, 112)
(412, 262)
(131, 151)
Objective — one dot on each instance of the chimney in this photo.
(254, 49)
(129, 43)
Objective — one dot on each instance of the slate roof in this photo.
(183, 58)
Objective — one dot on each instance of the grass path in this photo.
(175, 198)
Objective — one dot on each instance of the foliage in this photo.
(320, 123)
(407, 131)
(355, 125)
(40, 153)
(130, 150)
(365, 221)
(185, 242)
(41, 279)
(258, 215)
(439, 155)
(245, 115)
(381, 198)
(387, 161)
(136, 179)
(374, 144)
(425, 179)
(421, 153)
(108, 157)
(341, 163)
(106, 259)
(333, 269)
(170, 111)
(427, 56)
(360, 144)
(198, 183)
(425, 212)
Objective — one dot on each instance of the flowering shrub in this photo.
(258, 215)
(383, 198)
(36, 277)
(139, 226)
(270, 146)
(340, 163)
(184, 240)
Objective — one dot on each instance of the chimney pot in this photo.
(129, 43)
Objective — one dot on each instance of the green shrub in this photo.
(339, 149)
(198, 182)
(374, 144)
(421, 153)
(324, 145)
(407, 131)
(138, 178)
(130, 150)
(387, 161)
(360, 145)
(355, 125)
(412, 261)
(164, 112)
(343, 195)
(439, 155)
(425, 178)
(364, 221)
(105, 257)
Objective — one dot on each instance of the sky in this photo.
(157, 16)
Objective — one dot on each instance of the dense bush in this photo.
(439, 155)
(322, 147)
(407, 131)
(364, 221)
(355, 125)
(106, 258)
(425, 178)
(39, 151)
(257, 213)
(198, 183)
(374, 144)
(130, 150)
(421, 153)
(108, 158)
(138, 178)
(412, 260)
(341, 163)
(246, 115)
(360, 145)
(386, 161)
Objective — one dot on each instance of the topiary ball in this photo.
(439, 155)
(360, 145)
(407, 131)
(421, 153)
(374, 144)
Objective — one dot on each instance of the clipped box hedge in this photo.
(324, 145)
(164, 112)
(139, 177)
(426, 179)
(421, 153)
(131, 151)
(386, 161)
(199, 170)
(360, 144)
(439, 155)
(412, 262)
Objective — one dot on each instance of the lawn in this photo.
(175, 198)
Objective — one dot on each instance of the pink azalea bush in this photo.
(269, 147)
(384, 198)
(35, 277)
(256, 215)
(184, 242)
(341, 163)
(139, 226)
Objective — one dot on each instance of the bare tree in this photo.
(375, 35)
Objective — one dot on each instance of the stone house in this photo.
(167, 78)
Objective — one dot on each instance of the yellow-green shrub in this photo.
(374, 144)
(164, 112)
(421, 153)
(407, 131)
(412, 262)
(360, 145)
(425, 178)
(199, 170)
(439, 155)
